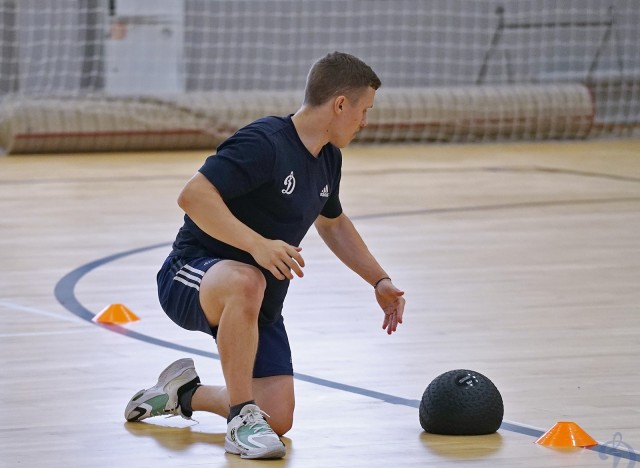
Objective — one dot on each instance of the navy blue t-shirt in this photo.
(271, 183)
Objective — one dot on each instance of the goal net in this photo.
(83, 75)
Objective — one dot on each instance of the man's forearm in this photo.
(345, 242)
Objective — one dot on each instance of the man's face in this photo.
(352, 117)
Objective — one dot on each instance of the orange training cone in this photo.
(566, 434)
(115, 314)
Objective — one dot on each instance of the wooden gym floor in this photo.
(519, 261)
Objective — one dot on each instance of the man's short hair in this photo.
(337, 74)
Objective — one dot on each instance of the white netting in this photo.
(117, 74)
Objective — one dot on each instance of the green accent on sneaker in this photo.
(251, 432)
(158, 404)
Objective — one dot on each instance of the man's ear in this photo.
(338, 103)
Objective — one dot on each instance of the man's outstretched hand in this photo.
(392, 304)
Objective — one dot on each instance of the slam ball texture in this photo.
(461, 402)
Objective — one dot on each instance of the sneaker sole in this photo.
(168, 379)
(264, 453)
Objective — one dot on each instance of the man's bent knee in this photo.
(246, 283)
(275, 396)
(281, 424)
(231, 284)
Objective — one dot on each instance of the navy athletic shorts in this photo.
(178, 291)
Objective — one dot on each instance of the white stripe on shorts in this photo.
(196, 279)
(193, 281)
(194, 270)
(188, 283)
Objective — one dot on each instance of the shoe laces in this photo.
(255, 420)
(178, 412)
(196, 422)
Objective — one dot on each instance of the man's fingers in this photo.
(296, 268)
(394, 324)
(390, 327)
(294, 261)
(276, 273)
(385, 322)
(400, 309)
(291, 264)
(393, 315)
(285, 265)
(297, 257)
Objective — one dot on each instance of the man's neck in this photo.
(312, 126)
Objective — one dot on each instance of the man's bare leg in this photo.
(231, 294)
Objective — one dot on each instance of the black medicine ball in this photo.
(461, 402)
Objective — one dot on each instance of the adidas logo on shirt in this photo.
(325, 192)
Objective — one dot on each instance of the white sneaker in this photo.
(163, 397)
(250, 436)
